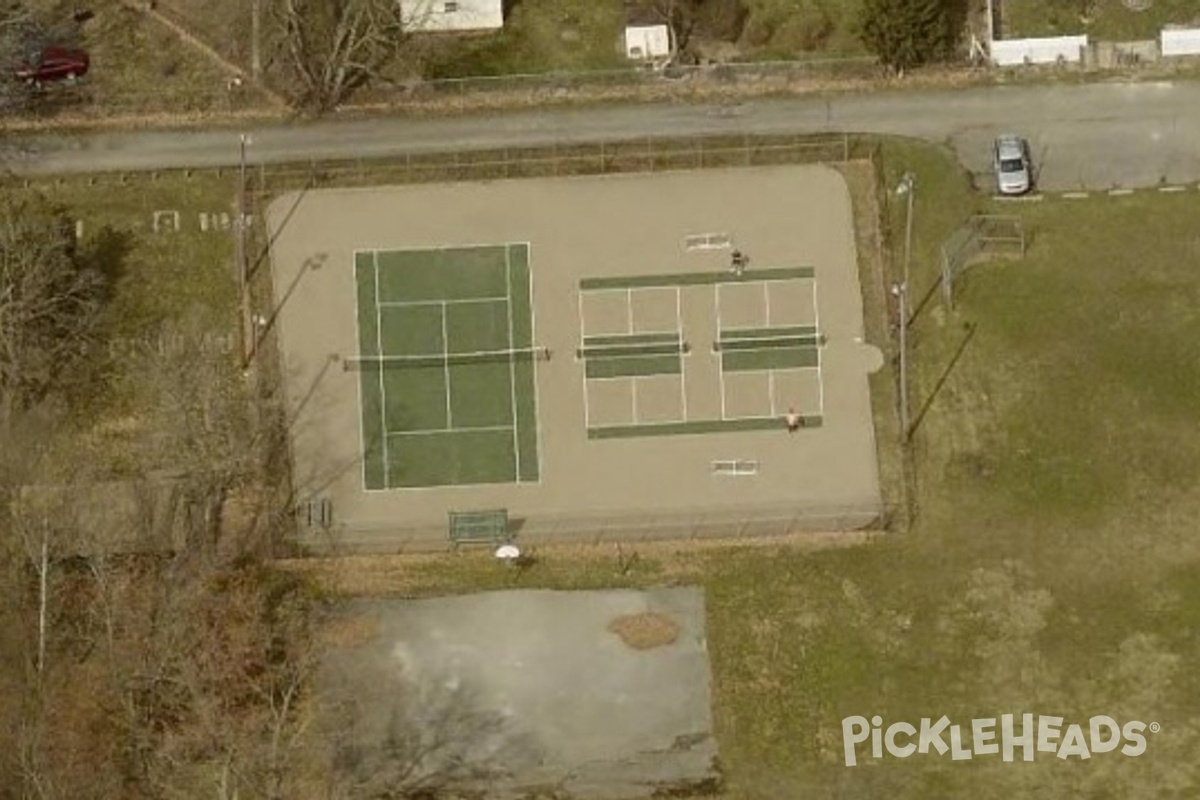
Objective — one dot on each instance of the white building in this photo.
(643, 42)
(452, 15)
(647, 37)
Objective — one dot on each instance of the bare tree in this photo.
(336, 46)
(50, 301)
(21, 39)
(202, 423)
(680, 17)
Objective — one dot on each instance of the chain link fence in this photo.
(327, 535)
(647, 154)
(981, 237)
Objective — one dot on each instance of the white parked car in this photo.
(1010, 158)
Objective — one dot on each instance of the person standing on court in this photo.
(794, 421)
(737, 262)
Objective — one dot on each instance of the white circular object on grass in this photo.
(508, 552)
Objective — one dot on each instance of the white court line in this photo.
(662, 332)
(427, 431)
(446, 366)
(587, 415)
(622, 289)
(512, 367)
(770, 373)
(358, 382)
(717, 354)
(633, 382)
(434, 248)
(610, 377)
(537, 419)
(362, 427)
(461, 301)
(682, 368)
(817, 325)
(387, 478)
(639, 355)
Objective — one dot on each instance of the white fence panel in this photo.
(1180, 41)
(1048, 50)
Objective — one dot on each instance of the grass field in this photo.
(164, 282)
(1051, 568)
(138, 66)
(1109, 20)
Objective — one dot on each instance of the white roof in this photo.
(452, 15)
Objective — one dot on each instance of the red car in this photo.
(54, 64)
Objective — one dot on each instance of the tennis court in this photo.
(447, 366)
(575, 359)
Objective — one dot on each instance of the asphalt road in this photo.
(1086, 136)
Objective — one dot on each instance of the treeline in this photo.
(147, 650)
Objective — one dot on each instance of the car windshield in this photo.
(1012, 165)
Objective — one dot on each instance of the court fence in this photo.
(538, 529)
(981, 237)
(644, 154)
(325, 534)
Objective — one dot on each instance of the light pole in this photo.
(908, 188)
(900, 292)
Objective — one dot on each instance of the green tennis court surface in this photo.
(447, 366)
(631, 355)
(756, 349)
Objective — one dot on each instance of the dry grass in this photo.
(645, 631)
(559, 564)
(348, 632)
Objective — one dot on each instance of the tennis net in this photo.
(769, 343)
(512, 356)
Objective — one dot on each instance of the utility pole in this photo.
(248, 332)
(908, 188)
(900, 292)
(255, 33)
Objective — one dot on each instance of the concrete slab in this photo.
(521, 691)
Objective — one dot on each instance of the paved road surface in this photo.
(1093, 136)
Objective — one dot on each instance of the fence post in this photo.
(947, 281)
